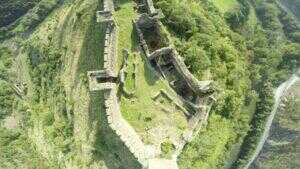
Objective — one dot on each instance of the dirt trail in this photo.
(280, 91)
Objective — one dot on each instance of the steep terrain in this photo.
(49, 118)
(281, 145)
(50, 65)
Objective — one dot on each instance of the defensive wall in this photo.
(197, 95)
(106, 80)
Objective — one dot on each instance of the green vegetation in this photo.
(288, 118)
(209, 146)
(5, 62)
(6, 99)
(6, 91)
(269, 67)
(16, 150)
(284, 135)
(246, 47)
(11, 10)
(124, 17)
(226, 55)
(239, 16)
(141, 111)
(167, 149)
(30, 20)
(293, 6)
(225, 5)
(61, 47)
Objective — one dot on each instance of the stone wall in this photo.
(105, 81)
(196, 86)
(124, 130)
(142, 41)
(110, 57)
(199, 87)
(203, 89)
(110, 38)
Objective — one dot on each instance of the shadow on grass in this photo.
(108, 146)
(91, 56)
(149, 72)
(118, 3)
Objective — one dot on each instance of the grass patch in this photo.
(123, 18)
(142, 112)
(225, 5)
(205, 151)
(167, 149)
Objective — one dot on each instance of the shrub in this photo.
(167, 148)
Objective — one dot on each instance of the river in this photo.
(280, 91)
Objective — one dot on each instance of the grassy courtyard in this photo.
(154, 120)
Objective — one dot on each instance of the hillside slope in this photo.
(54, 109)
(50, 119)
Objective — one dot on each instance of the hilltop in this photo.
(138, 83)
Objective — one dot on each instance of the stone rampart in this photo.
(197, 86)
(105, 81)
(110, 57)
(124, 130)
(142, 41)
(201, 88)
(110, 38)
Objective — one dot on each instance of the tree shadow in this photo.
(92, 51)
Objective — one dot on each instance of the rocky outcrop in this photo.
(108, 81)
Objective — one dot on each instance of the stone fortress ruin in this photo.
(161, 54)
(195, 97)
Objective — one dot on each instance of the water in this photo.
(277, 96)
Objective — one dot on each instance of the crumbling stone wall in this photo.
(199, 87)
(110, 57)
(110, 38)
(200, 91)
(150, 31)
(106, 81)
(166, 56)
(124, 130)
